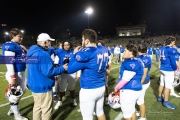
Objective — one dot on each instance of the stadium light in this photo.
(89, 11)
(6, 33)
(22, 31)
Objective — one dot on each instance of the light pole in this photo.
(89, 11)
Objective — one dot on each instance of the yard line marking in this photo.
(31, 95)
(21, 99)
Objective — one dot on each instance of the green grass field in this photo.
(154, 111)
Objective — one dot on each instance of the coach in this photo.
(41, 77)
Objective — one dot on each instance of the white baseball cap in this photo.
(44, 37)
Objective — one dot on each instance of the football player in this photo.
(167, 69)
(142, 49)
(51, 52)
(176, 78)
(122, 51)
(107, 72)
(129, 81)
(15, 71)
(150, 51)
(93, 61)
(65, 80)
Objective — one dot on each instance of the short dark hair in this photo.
(132, 48)
(100, 41)
(90, 34)
(169, 40)
(142, 47)
(14, 32)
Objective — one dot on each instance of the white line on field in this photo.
(21, 99)
(31, 95)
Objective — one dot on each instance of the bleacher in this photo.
(124, 41)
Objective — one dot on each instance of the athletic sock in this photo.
(15, 109)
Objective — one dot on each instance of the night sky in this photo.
(42, 16)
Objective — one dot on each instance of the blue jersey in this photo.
(150, 50)
(93, 62)
(19, 52)
(109, 52)
(167, 58)
(157, 51)
(50, 51)
(147, 64)
(63, 55)
(122, 49)
(134, 65)
(112, 49)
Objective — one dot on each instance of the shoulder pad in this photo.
(133, 65)
(146, 60)
(11, 46)
(85, 54)
(82, 56)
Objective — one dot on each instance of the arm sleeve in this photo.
(10, 67)
(127, 76)
(74, 66)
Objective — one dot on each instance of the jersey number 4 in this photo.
(162, 56)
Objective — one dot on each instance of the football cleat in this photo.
(10, 112)
(114, 100)
(58, 104)
(19, 117)
(73, 103)
(160, 99)
(168, 105)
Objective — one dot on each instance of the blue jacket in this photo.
(40, 72)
